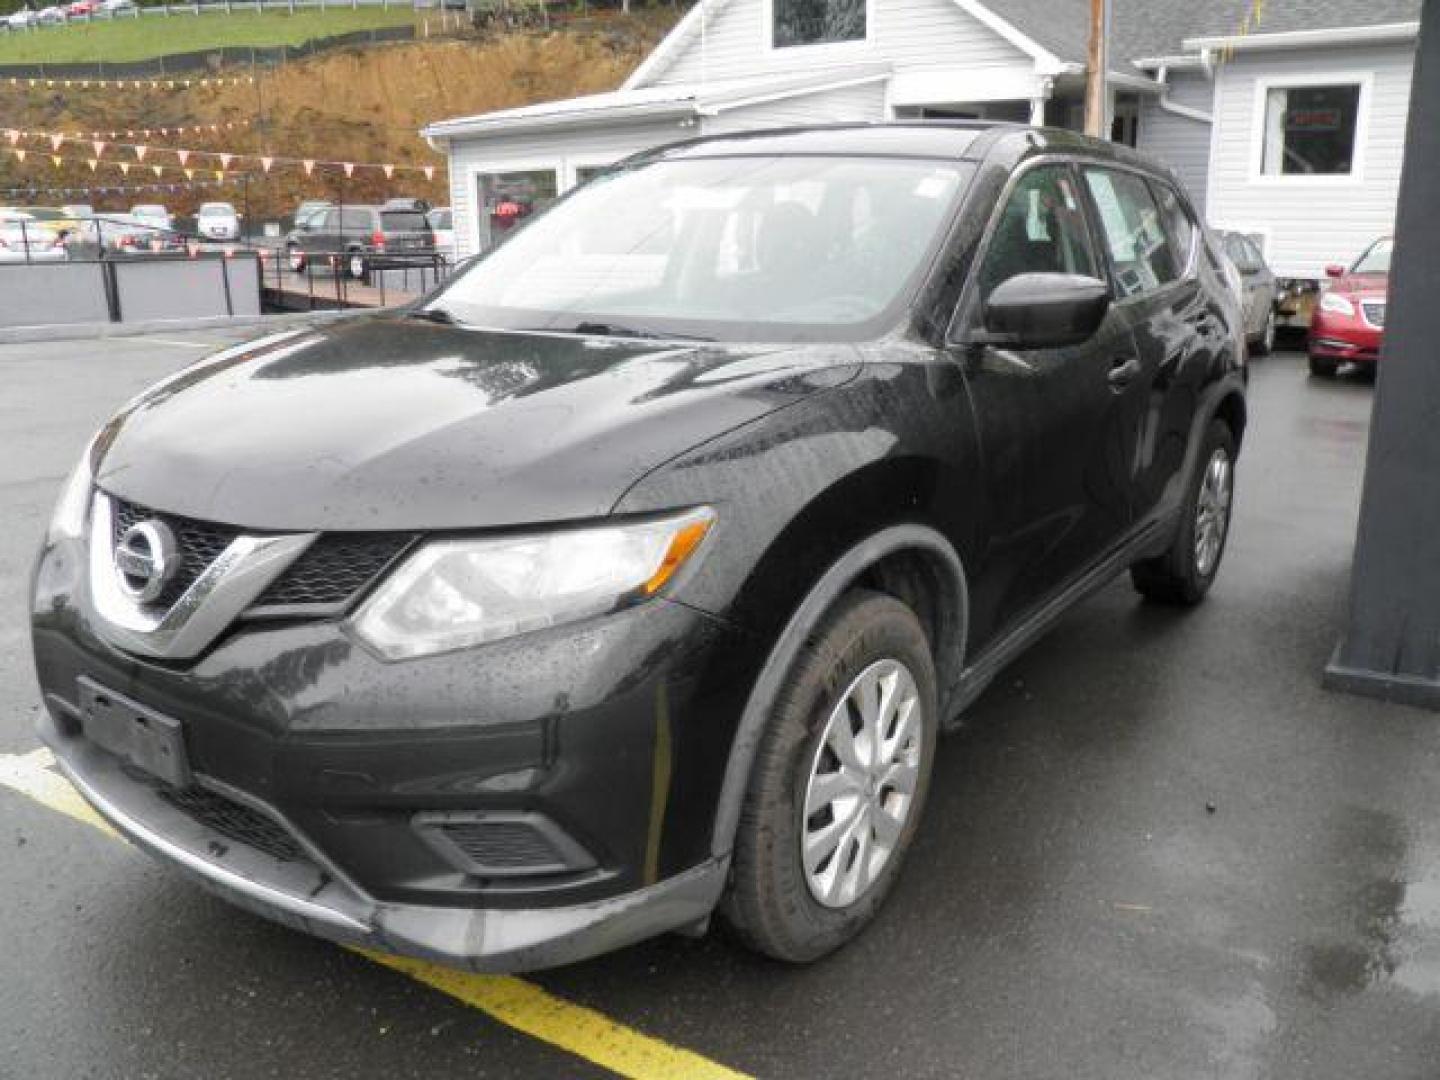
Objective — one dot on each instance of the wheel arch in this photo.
(913, 562)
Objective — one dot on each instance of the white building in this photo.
(1291, 130)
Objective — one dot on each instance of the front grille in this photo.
(235, 820)
(328, 575)
(1374, 312)
(200, 543)
(333, 569)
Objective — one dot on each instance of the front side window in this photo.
(1376, 260)
(1040, 231)
(816, 22)
(1310, 130)
(1140, 251)
(757, 248)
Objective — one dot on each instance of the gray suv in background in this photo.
(362, 238)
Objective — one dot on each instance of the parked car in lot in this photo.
(22, 239)
(307, 219)
(361, 237)
(154, 213)
(50, 16)
(116, 7)
(632, 574)
(1348, 325)
(22, 19)
(217, 221)
(1259, 290)
(442, 225)
(113, 234)
(81, 9)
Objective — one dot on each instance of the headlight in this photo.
(1336, 304)
(73, 506)
(455, 593)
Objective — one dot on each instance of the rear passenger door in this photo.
(1055, 454)
(1151, 244)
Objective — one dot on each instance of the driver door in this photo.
(1050, 421)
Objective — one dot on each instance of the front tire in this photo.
(1324, 367)
(838, 784)
(1184, 573)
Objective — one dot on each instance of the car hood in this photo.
(1362, 283)
(384, 423)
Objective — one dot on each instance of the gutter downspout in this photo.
(1172, 107)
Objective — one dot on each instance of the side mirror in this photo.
(1045, 311)
(1335, 270)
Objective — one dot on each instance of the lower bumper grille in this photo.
(235, 820)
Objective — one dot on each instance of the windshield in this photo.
(753, 248)
(45, 213)
(1376, 260)
(148, 211)
(216, 210)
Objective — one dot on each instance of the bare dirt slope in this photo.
(361, 105)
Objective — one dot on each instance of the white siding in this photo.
(1181, 142)
(864, 102)
(564, 151)
(1309, 222)
(913, 34)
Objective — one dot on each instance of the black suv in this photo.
(359, 238)
(632, 574)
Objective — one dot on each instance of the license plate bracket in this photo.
(151, 741)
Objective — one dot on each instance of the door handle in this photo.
(1123, 372)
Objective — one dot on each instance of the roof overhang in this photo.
(651, 104)
(1308, 39)
(638, 113)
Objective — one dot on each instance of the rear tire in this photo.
(1265, 343)
(1184, 574)
(818, 755)
(1323, 367)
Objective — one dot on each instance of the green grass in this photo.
(158, 35)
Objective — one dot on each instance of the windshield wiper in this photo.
(435, 315)
(600, 329)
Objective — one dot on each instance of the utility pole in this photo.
(1391, 643)
(1096, 67)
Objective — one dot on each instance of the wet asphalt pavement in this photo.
(1072, 910)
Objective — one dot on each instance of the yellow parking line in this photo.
(514, 1002)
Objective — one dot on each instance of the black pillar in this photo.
(1391, 646)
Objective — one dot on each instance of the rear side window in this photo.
(356, 221)
(1140, 250)
(1178, 220)
(403, 221)
(1041, 230)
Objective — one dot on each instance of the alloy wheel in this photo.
(1212, 511)
(861, 786)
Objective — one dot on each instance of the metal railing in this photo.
(322, 280)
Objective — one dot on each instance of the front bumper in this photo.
(311, 896)
(616, 731)
(1347, 339)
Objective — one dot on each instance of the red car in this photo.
(81, 7)
(1349, 322)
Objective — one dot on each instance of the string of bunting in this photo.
(101, 83)
(128, 133)
(117, 189)
(225, 158)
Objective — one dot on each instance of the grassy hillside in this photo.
(351, 105)
(125, 39)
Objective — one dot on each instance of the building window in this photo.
(816, 22)
(506, 199)
(1310, 130)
